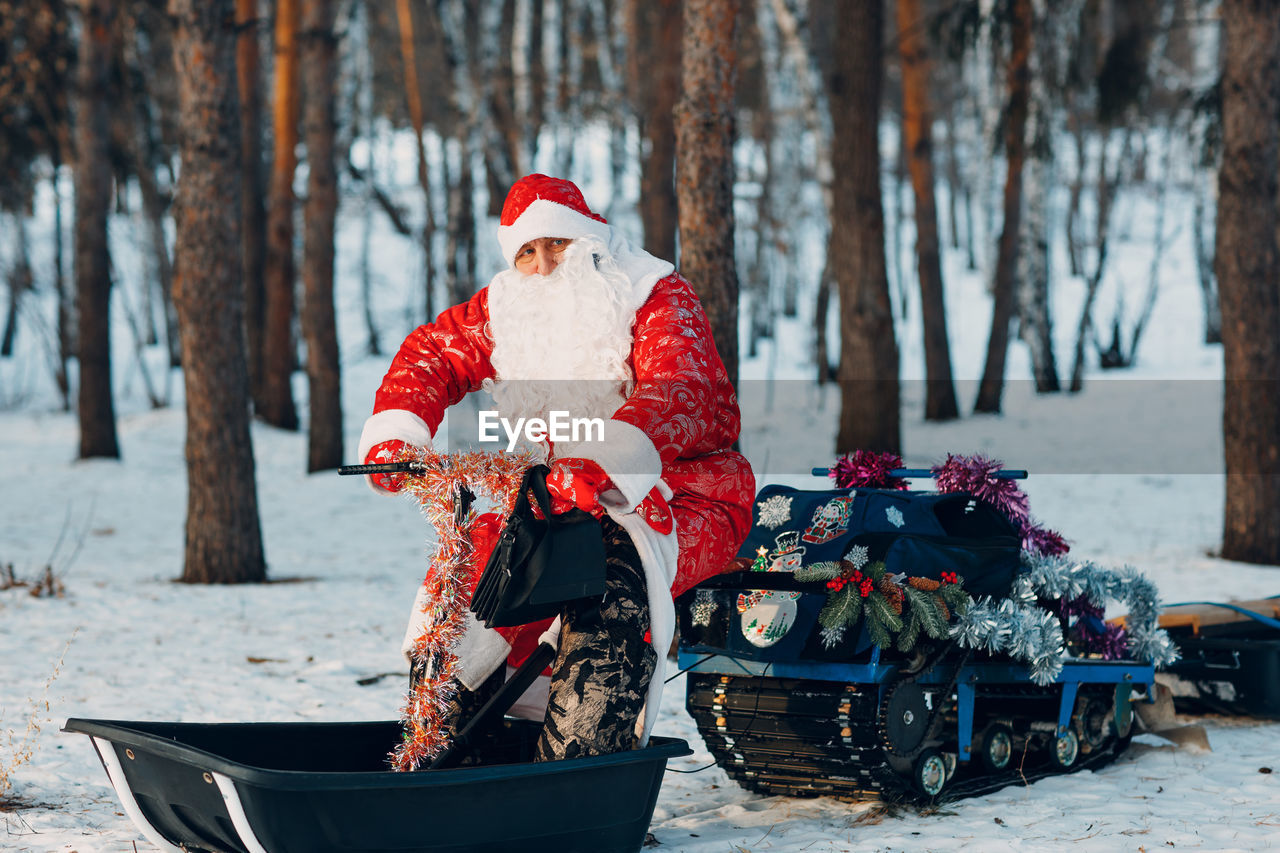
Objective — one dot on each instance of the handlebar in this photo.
(910, 473)
(384, 468)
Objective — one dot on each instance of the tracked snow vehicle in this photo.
(985, 683)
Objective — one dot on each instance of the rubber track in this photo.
(808, 738)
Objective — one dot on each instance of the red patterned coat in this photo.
(682, 401)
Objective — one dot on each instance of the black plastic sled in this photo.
(324, 788)
(1230, 657)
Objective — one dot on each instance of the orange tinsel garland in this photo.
(448, 584)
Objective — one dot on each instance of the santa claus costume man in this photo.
(583, 321)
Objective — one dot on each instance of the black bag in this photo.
(539, 563)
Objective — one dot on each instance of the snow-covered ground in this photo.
(1127, 471)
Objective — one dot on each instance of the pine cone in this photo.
(942, 607)
(924, 584)
(892, 593)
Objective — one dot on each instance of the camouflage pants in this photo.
(601, 673)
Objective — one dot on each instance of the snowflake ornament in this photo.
(858, 555)
(831, 637)
(704, 607)
(774, 511)
(895, 516)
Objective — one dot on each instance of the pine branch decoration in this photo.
(910, 633)
(824, 571)
(842, 608)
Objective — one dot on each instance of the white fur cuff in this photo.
(392, 424)
(627, 455)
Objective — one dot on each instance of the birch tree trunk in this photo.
(917, 122)
(1032, 288)
(276, 405)
(92, 259)
(704, 163)
(868, 372)
(319, 328)
(223, 534)
(991, 388)
(1248, 267)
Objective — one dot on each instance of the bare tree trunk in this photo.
(536, 114)
(1130, 356)
(1107, 186)
(409, 58)
(253, 213)
(504, 156)
(704, 162)
(1248, 267)
(93, 262)
(279, 355)
(223, 535)
(654, 75)
(568, 111)
(1077, 189)
(822, 308)
(868, 372)
(66, 308)
(917, 123)
(1204, 270)
(1032, 287)
(20, 282)
(319, 328)
(897, 272)
(362, 118)
(467, 106)
(991, 387)
(142, 143)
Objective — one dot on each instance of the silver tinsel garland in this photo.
(1015, 625)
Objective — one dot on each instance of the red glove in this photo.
(386, 451)
(577, 482)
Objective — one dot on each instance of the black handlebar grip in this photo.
(383, 468)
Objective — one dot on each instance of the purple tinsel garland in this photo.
(977, 475)
(1041, 540)
(1109, 643)
(867, 469)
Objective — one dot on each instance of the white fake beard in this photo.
(562, 341)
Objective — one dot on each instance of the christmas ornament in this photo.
(831, 520)
(704, 607)
(767, 615)
(773, 512)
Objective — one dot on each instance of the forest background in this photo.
(814, 160)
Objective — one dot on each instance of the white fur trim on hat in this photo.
(545, 218)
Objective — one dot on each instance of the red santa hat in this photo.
(541, 206)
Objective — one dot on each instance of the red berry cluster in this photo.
(865, 584)
(950, 577)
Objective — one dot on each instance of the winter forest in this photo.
(818, 162)
(1045, 230)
